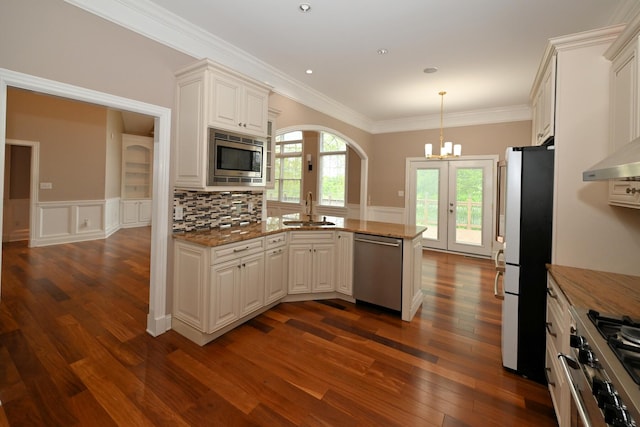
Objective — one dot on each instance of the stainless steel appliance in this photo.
(235, 159)
(603, 369)
(528, 211)
(377, 270)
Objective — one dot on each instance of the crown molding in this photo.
(513, 113)
(149, 20)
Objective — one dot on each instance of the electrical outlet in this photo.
(178, 212)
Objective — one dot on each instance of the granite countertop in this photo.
(608, 293)
(272, 225)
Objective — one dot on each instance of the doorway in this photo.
(20, 189)
(453, 198)
(158, 318)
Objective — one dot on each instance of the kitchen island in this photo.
(224, 277)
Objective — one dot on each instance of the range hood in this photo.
(624, 163)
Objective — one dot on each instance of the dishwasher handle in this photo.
(376, 242)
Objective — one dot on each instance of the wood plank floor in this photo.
(74, 352)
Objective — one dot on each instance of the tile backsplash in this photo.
(206, 210)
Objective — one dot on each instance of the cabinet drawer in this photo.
(276, 240)
(228, 252)
(312, 236)
(555, 322)
(558, 387)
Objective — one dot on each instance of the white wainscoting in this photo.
(16, 220)
(74, 221)
(112, 216)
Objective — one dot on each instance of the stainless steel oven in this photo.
(603, 389)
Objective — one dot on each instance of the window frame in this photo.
(319, 176)
(278, 180)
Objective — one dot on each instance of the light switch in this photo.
(400, 193)
(46, 185)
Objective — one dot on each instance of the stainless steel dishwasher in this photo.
(377, 270)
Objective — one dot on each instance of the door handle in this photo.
(495, 286)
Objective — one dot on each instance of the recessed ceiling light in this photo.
(382, 51)
(304, 7)
(309, 71)
(430, 70)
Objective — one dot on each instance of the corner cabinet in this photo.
(136, 181)
(624, 107)
(543, 101)
(209, 95)
(344, 263)
(311, 262)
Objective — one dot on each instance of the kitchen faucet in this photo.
(309, 203)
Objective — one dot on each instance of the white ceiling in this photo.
(487, 52)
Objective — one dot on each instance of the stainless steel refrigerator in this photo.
(528, 217)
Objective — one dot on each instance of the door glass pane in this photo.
(427, 184)
(469, 206)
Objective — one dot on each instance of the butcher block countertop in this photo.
(273, 225)
(610, 293)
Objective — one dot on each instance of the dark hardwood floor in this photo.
(74, 351)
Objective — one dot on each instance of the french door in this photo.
(454, 199)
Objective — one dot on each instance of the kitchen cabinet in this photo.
(543, 103)
(311, 262)
(344, 262)
(216, 287)
(136, 180)
(276, 262)
(190, 280)
(559, 323)
(624, 120)
(209, 95)
(237, 289)
(237, 104)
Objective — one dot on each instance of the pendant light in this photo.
(447, 149)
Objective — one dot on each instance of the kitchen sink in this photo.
(308, 223)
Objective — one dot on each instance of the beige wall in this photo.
(113, 136)
(387, 166)
(72, 143)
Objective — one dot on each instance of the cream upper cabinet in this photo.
(624, 119)
(209, 95)
(238, 105)
(543, 103)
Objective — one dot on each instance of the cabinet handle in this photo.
(632, 190)
(549, 325)
(495, 286)
(246, 248)
(239, 266)
(573, 330)
(244, 265)
(551, 294)
(547, 371)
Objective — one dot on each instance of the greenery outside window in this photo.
(287, 186)
(332, 172)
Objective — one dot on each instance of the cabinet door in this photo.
(189, 279)
(129, 212)
(225, 111)
(251, 284)
(144, 211)
(323, 268)
(224, 294)
(276, 274)
(300, 269)
(344, 263)
(254, 115)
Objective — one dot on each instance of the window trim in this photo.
(279, 180)
(346, 171)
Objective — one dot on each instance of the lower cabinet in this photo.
(237, 289)
(559, 323)
(135, 213)
(312, 262)
(275, 281)
(344, 263)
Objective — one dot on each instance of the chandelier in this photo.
(447, 149)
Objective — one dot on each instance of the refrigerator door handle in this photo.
(496, 293)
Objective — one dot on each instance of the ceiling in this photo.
(487, 52)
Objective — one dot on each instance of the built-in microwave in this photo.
(235, 159)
